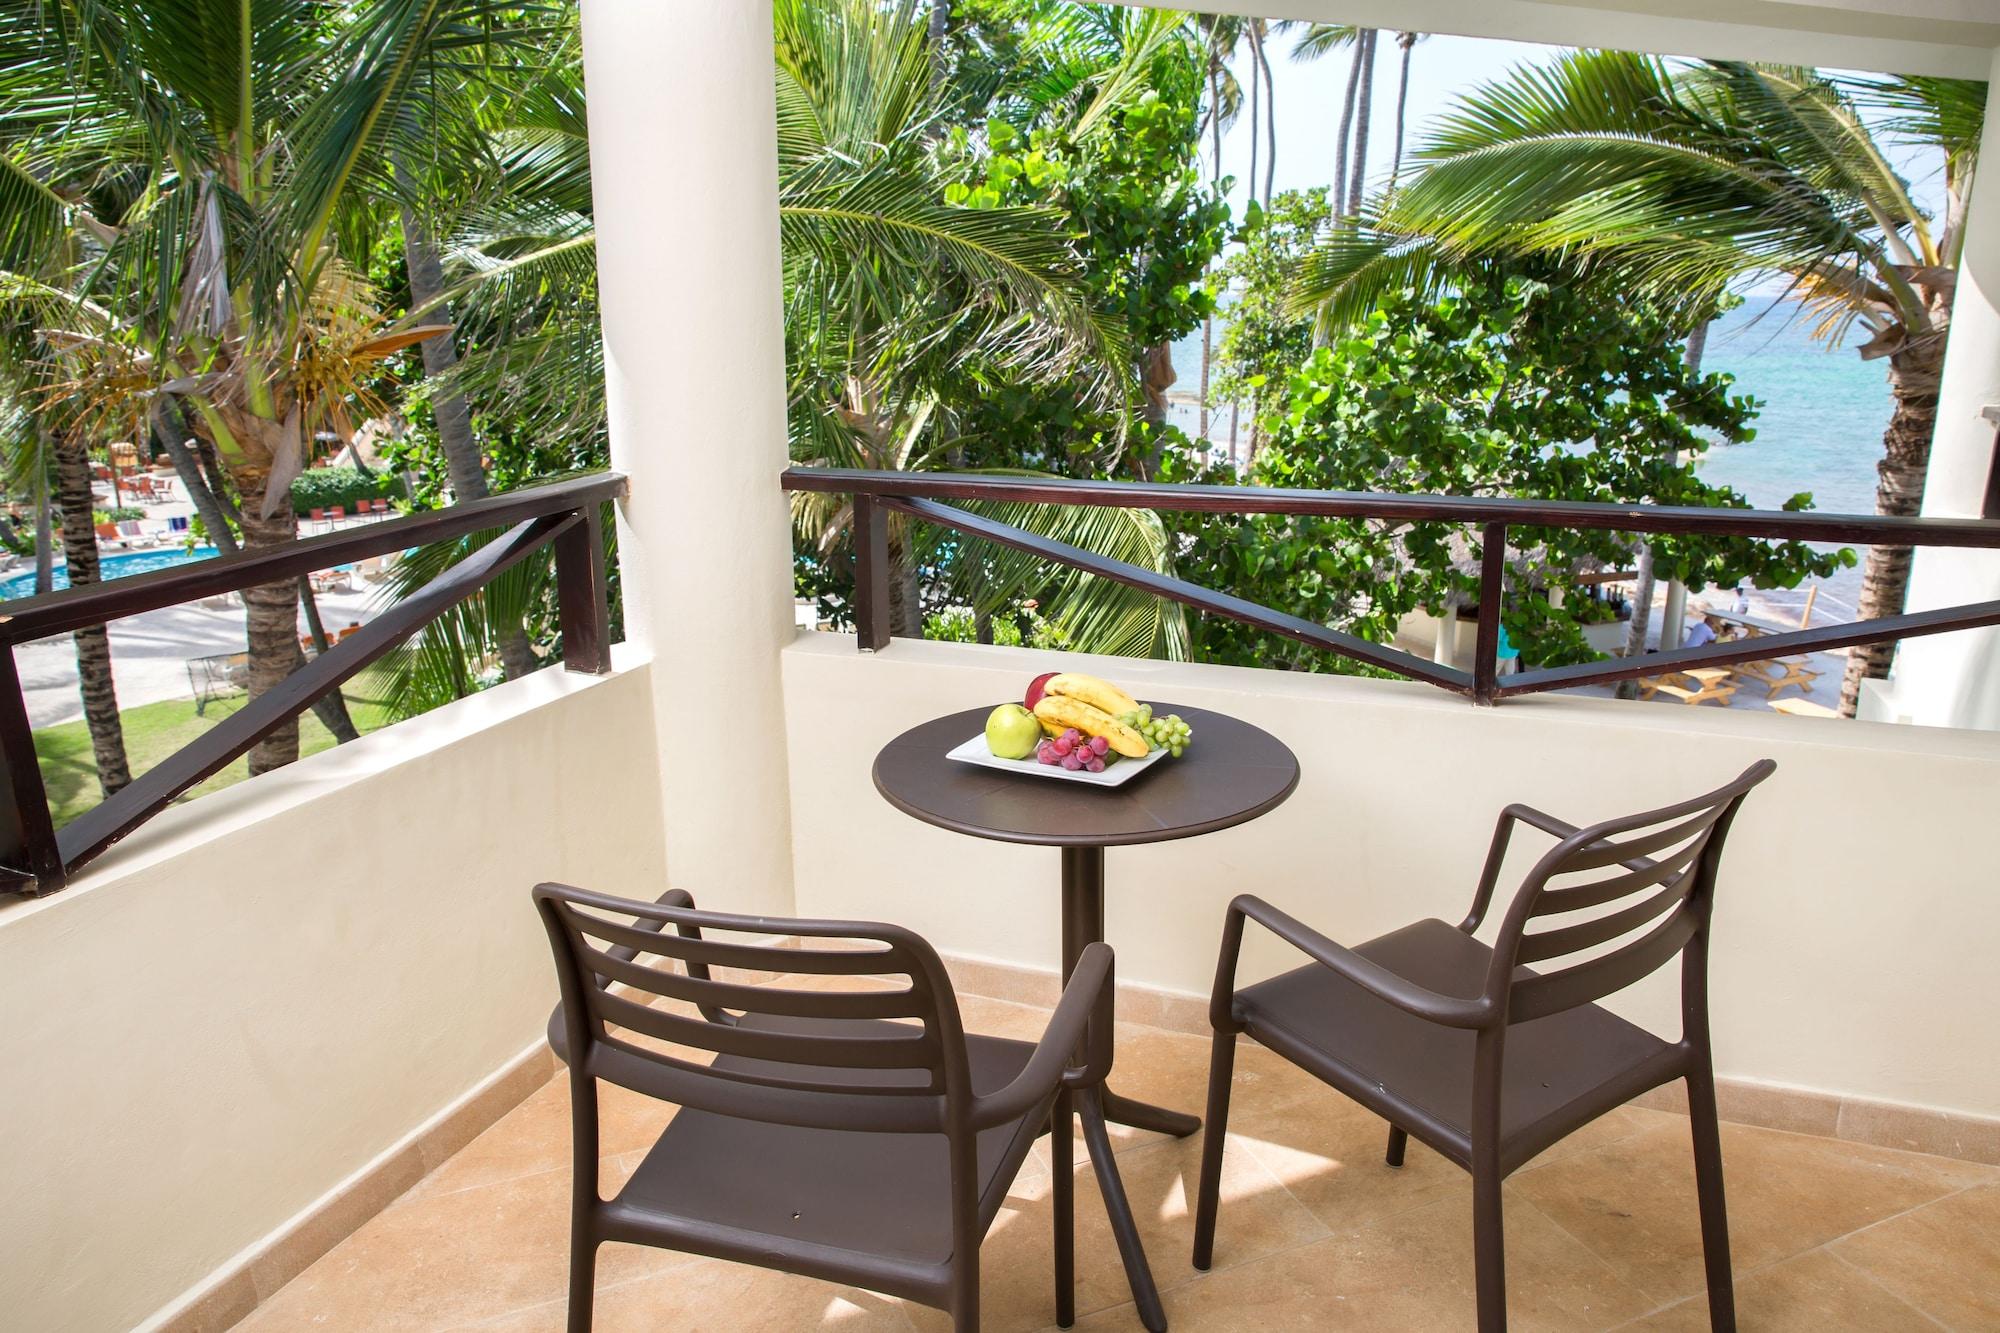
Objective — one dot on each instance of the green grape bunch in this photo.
(1167, 733)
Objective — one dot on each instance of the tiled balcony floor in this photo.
(1316, 1232)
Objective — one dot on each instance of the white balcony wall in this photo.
(260, 993)
(1856, 914)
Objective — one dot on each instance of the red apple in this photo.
(1035, 689)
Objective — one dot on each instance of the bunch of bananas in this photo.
(1090, 705)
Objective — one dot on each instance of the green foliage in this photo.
(325, 487)
(1265, 336)
(1024, 627)
(117, 514)
(1092, 111)
(1521, 386)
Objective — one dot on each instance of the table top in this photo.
(1232, 773)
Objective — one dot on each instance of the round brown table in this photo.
(1230, 774)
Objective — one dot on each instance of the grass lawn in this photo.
(154, 731)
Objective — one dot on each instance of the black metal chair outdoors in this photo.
(1483, 1059)
(823, 1138)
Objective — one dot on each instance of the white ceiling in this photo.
(1954, 37)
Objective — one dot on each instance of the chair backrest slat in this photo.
(902, 1002)
(916, 1051)
(1553, 992)
(837, 1054)
(749, 957)
(1650, 910)
(1597, 892)
(1544, 944)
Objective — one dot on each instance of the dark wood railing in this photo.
(920, 495)
(36, 857)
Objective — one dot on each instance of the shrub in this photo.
(325, 487)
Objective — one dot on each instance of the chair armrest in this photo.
(1393, 988)
(1496, 852)
(624, 953)
(1082, 1019)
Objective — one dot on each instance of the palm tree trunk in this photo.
(93, 645)
(1642, 617)
(1899, 492)
(1344, 143)
(906, 611)
(45, 534)
(1255, 82)
(1270, 117)
(463, 463)
(271, 617)
(1208, 320)
(1357, 178)
(212, 508)
(1408, 41)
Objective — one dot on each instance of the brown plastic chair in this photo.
(1483, 1059)
(822, 1139)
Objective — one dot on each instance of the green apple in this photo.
(1012, 731)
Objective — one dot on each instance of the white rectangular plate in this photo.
(974, 751)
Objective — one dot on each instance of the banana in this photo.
(1058, 712)
(1098, 693)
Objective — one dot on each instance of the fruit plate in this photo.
(975, 751)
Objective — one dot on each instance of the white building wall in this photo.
(251, 999)
(1855, 918)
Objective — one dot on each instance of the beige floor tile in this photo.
(1315, 1232)
(1411, 1272)
(709, 1296)
(437, 1260)
(1943, 1258)
(535, 1136)
(1328, 1151)
(1632, 1202)
(1812, 1293)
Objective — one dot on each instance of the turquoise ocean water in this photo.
(1819, 429)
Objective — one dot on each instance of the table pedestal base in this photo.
(1083, 925)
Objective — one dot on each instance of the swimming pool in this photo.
(116, 566)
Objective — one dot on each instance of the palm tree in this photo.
(1405, 42)
(1683, 180)
(264, 136)
(1220, 34)
(888, 287)
(1322, 39)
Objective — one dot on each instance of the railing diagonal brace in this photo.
(1187, 594)
(97, 828)
(1824, 638)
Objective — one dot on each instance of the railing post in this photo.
(27, 835)
(1486, 652)
(871, 575)
(581, 594)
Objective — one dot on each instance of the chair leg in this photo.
(1489, 1248)
(1062, 1167)
(1221, 1069)
(1399, 1139)
(965, 1293)
(582, 1277)
(1708, 1193)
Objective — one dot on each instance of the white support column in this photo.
(1953, 680)
(683, 151)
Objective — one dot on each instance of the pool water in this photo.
(116, 566)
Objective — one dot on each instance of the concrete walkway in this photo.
(150, 652)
